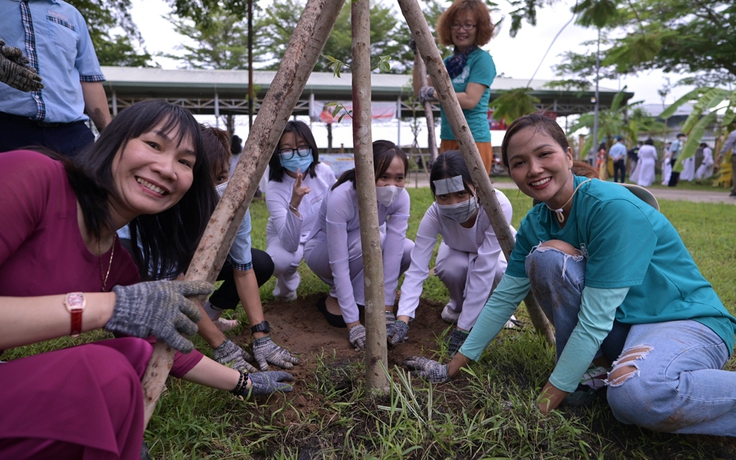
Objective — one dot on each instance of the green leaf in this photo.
(693, 140)
(687, 98)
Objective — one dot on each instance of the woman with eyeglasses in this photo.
(469, 261)
(467, 26)
(297, 184)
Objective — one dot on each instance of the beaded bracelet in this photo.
(242, 382)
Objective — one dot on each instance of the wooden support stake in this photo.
(375, 320)
(431, 136)
(487, 194)
(304, 49)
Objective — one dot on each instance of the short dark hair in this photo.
(300, 129)
(384, 153)
(217, 148)
(480, 12)
(540, 123)
(236, 144)
(649, 141)
(450, 164)
(170, 237)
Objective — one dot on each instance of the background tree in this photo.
(678, 36)
(620, 120)
(106, 19)
(221, 42)
(389, 36)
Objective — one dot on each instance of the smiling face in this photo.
(462, 38)
(151, 173)
(540, 166)
(394, 174)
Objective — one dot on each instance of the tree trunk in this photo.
(487, 194)
(304, 49)
(375, 320)
(431, 136)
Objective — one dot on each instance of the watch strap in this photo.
(263, 326)
(75, 303)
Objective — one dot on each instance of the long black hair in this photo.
(168, 239)
(450, 164)
(384, 153)
(300, 129)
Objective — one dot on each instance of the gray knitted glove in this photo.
(159, 308)
(15, 70)
(428, 369)
(390, 318)
(231, 355)
(268, 352)
(426, 94)
(265, 383)
(396, 333)
(356, 335)
(455, 340)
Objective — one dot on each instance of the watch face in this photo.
(75, 301)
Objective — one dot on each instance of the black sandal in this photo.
(332, 319)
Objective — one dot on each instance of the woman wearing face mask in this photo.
(334, 249)
(297, 184)
(469, 262)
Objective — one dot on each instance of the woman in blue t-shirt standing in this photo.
(467, 26)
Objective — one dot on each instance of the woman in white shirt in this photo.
(334, 249)
(469, 261)
(297, 184)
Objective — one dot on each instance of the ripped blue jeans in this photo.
(557, 281)
(666, 376)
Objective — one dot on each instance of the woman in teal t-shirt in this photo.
(467, 26)
(614, 277)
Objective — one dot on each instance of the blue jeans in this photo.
(666, 376)
(557, 281)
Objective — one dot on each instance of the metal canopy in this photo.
(222, 92)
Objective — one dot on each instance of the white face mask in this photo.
(221, 188)
(459, 212)
(388, 194)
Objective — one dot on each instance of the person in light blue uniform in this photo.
(614, 277)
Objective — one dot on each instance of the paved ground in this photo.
(670, 193)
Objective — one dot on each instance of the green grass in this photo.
(487, 413)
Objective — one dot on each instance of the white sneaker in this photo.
(449, 315)
(225, 325)
(288, 297)
(512, 323)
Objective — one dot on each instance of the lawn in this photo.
(489, 412)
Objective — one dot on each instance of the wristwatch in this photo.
(261, 327)
(75, 304)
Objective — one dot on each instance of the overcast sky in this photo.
(514, 57)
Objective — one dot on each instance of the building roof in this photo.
(199, 89)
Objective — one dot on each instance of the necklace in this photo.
(104, 274)
(558, 212)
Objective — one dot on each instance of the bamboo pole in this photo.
(375, 321)
(304, 48)
(431, 136)
(487, 194)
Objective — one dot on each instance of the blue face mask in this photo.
(297, 163)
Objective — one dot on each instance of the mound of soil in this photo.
(301, 328)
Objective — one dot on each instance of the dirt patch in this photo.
(301, 328)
